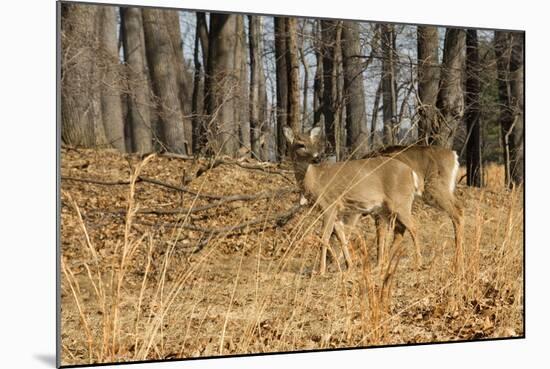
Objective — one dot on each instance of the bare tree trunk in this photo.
(318, 91)
(197, 103)
(305, 65)
(502, 53)
(111, 103)
(509, 57)
(257, 82)
(242, 112)
(164, 76)
(268, 134)
(472, 113)
(389, 95)
(222, 83)
(184, 78)
(328, 47)
(375, 139)
(354, 90)
(202, 32)
(339, 117)
(450, 100)
(139, 101)
(199, 85)
(282, 82)
(78, 82)
(428, 79)
(517, 100)
(293, 72)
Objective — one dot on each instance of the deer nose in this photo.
(316, 158)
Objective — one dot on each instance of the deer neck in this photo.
(300, 169)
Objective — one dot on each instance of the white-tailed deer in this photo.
(437, 169)
(346, 190)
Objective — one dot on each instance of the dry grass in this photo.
(132, 291)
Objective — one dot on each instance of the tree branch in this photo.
(224, 200)
(280, 219)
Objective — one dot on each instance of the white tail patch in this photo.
(454, 173)
(416, 182)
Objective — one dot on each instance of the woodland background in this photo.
(193, 83)
(202, 249)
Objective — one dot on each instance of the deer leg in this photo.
(328, 228)
(351, 220)
(447, 202)
(406, 222)
(381, 228)
(341, 234)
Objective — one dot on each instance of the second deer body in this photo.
(346, 190)
(437, 169)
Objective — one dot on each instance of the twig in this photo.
(95, 181)
(142, 179)
(280, 220)
(261, 167)
(224, 200)
(178, 188)
(172, 155)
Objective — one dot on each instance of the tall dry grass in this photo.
(249, 303)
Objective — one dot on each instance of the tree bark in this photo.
(517, 101)
(258, 108)
(242, 112)
(164, 76)
(199, 85)
(450, 100)
(509, 57)
(282, 82)
(472, 113)
(78, 77)
(197, 101)
(202, 32)
(354, 91)
(318, 91)
(111, 103)
(328, 48)
(139, 101)
(222, 84)
(293, 71)
(376, 140)
(268, 140)
(339, 117)
(389, 95)
(305, 65)
(428, 79)
(184, 78)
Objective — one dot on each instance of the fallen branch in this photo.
(280, 219)
(96, 181)
(266, 168)
(178, 188)
(142, 179)
(171, 155)
(224, 200)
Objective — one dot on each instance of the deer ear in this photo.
(289, 134)
(315, 133)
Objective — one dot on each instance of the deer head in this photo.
(305, 147)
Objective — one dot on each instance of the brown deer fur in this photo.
(437, 169)
(344, 191)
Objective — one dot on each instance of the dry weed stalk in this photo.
(378, 285)
(284, 301)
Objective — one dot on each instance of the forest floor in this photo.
(143, 277)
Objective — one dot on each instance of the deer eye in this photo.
(299, 145)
